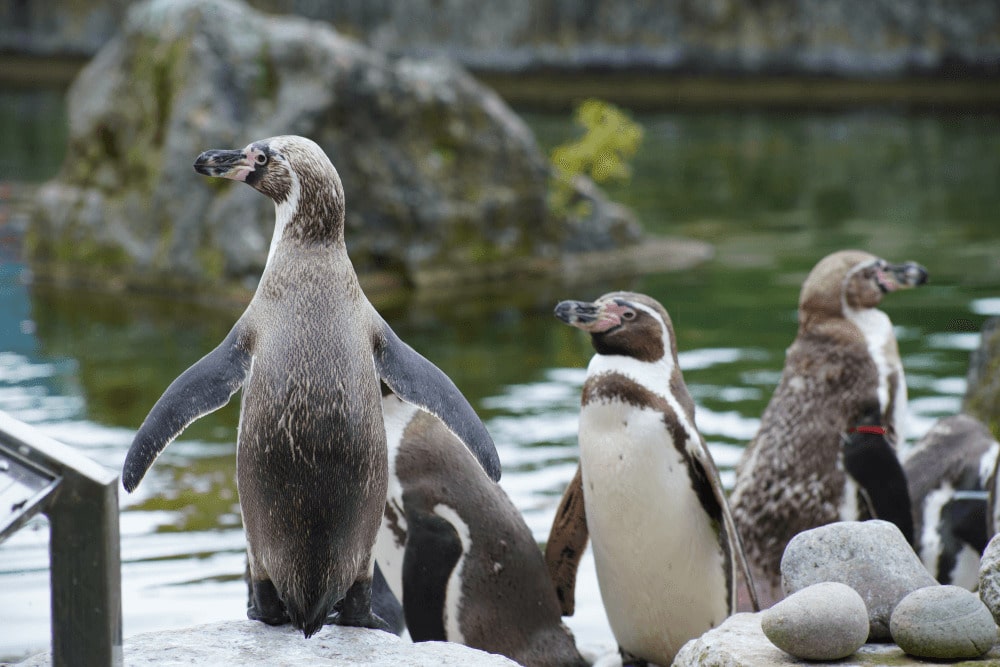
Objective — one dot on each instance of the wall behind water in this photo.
(853, 38)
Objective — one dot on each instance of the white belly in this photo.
(660, 567)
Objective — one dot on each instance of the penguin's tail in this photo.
(308, 615)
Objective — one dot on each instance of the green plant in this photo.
(609, 140)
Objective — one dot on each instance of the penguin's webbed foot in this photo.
(264, 604)
(355, 609)
(372, 620)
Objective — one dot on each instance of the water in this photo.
(773, 192)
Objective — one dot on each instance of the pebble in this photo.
(872, 557)
(825, 621)
(943, 622)
(989, 577)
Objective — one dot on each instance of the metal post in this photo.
(84, 547)
(85, 573)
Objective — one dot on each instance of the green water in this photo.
(773, 193)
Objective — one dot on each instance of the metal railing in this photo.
(80, 499)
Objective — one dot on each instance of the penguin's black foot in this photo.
(265, 605)
(372, 620)
(355, 610)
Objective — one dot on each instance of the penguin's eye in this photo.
(260, 159)
(628, 315)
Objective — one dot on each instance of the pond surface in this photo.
(774, 193)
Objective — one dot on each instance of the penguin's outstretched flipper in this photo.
(203, 388)
(418, 381)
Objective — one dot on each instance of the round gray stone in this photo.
(872, 557)
(943, 622)
(825, 621)
(989, 577)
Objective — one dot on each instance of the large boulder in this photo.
(437, 170)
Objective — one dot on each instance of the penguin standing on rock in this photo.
(458, 553)
(308, 353)
(647, 492)
(843, 361)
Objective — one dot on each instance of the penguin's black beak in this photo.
(901, 276)
(234, 165)
(590, 317)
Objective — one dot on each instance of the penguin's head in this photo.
(855, 280)
(623, 323)
(293, 171)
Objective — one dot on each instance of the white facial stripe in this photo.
(283, 213)
(453, 594)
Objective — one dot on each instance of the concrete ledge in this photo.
(249, 643)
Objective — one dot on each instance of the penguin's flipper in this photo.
(966, 512)
(203, 388)
(433, 548)
(872, 462)
(385, 604)
(705, 475)
(567, 542)
(416, 380)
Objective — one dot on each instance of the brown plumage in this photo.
(844, 358)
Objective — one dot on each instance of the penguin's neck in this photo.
(289, 214)
(653, 375)
(876, 327)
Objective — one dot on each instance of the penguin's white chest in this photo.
(660, 566)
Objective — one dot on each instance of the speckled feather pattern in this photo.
(791, 477)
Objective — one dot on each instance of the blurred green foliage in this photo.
(610, 139)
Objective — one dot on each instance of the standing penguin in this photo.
(843, 360)
(308, 353)
(647, 492)
(951, 471)
(458, 553)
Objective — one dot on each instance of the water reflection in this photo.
(774, 193)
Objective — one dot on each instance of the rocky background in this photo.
(855, 38)
(437, 170)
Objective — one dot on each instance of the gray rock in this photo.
(872, 557)
(989, 577)
(255, 644)
(437, 170)
(740, 642)
(825, 621)
(943, 622)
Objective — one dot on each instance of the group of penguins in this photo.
(368, 484)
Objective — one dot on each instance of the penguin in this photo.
(665, 547)
(871, 461)
(308, 353)
(458, 553)
(791, 477)
(950, 472)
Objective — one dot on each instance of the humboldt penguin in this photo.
(308, 353)
(844, 359)
(458, 553)
(665, 547)
(950, 472)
